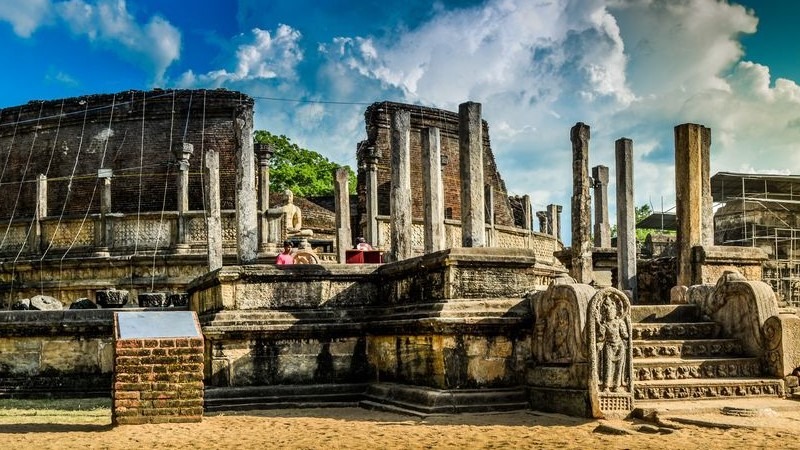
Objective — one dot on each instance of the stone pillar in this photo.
(400, 198)
(371, 161)
(690, 141)
(626, 217)
(182, 153)
(544, 222)
(264, 153)
(35, 239)
(581, 207)
(213, 217)
(602, 228)
(433, 190)
(246, 214)
(470, 146)
(102, 229)
(554, 217)
(341, 193)
(707, 237)
(527, 212)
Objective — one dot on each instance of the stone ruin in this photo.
(470, 314)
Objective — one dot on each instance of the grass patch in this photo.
(86, 407)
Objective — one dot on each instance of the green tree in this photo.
(640, 213)
(305, 172)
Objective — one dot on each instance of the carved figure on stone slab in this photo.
(612, 336)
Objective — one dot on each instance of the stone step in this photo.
(283, 396)
(694, 368)
(703, 348)
(426, 401)
(664, 313)
(706, 389)
(676, 330)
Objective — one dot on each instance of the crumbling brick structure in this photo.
(133, 133)
(377, 118)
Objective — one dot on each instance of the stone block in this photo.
(153, 300)
(83, 303)
(111, 298)
(45, 303)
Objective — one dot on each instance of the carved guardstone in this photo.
(610, 337)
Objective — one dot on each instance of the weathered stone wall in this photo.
(377, 118)
(129, 132)
(655, 277)
(56, 353)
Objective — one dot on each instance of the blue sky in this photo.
(632, 68)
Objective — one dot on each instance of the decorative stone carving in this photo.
(112, 298)
(558, 331)
(153, 299)
(83, 303)
(610, 344)
(293, 218)
(45, 303)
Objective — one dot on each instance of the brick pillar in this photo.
(400, 199)
(691, 145)
(433, 190)
(182, 153)
(626, 217)
(264, 153)
(341, 193)
(246, 205)
(602, 228)
(213, 218)
(581, 207)
(470, 146)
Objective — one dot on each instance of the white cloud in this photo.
(262, 55)
(155, 44)
(25, 16)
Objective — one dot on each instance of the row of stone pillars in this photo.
(582, 244)
(473, 232)
(693, 204)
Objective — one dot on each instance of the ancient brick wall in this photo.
(377, 118)
(132, 133)
(158, 380)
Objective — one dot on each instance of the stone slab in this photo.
(157, 324)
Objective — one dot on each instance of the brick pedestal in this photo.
(157, 380)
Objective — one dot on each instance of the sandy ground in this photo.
(353, 428)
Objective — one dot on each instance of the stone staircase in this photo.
(679, 357)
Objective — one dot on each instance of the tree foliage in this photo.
(305, 172)
(641, 212)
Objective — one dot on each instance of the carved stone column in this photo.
(433, 190)
(544, 222)
(470, 143)
(400, 198)
(626, 217)
(602, 228)
(371, 162)
(102, 230)
(213, 218)
(581, 207)
(691, 144)
(264, 153)
(246, 205)
(341, 193)
(182, 154)
(35, 240)
(554, 216)
(527, 212)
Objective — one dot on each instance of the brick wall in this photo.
(158, 380)
(377, 118)
(130, 132)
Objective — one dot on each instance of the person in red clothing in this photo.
(285, 257)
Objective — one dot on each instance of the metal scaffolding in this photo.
(760, 210)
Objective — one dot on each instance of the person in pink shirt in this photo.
(285, 257)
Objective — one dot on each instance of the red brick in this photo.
(151, 343)
(127, 377)
(167, 343)
(127, 343)
(196, 343)
(183, 342)
(126, 395)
